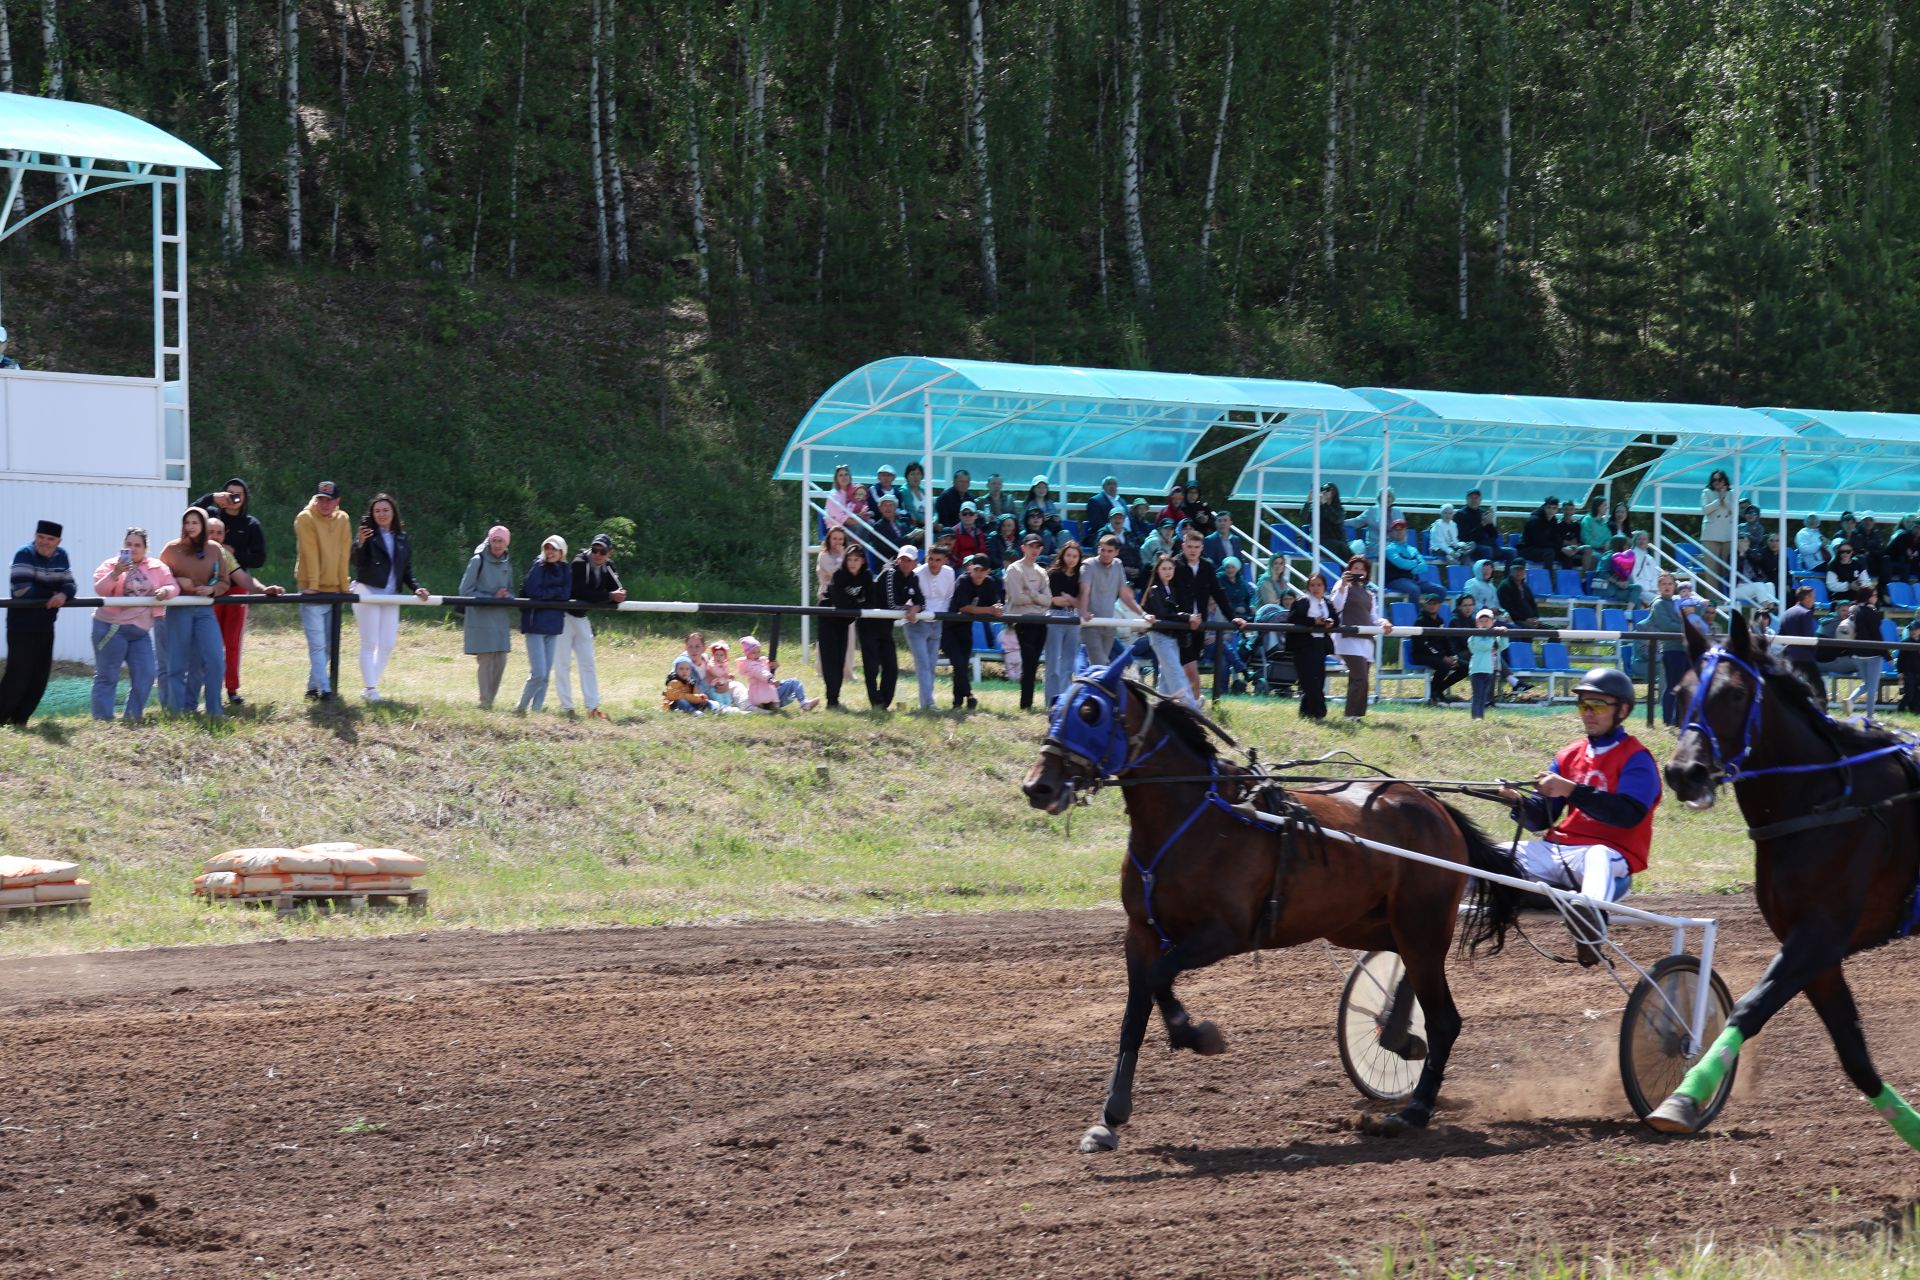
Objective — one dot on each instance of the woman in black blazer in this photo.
(1311, 649)
(382, 566)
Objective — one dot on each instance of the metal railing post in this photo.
(333, 647)
(1653, 678)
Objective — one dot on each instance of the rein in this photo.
(1731, 768)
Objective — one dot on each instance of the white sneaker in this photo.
(373, 695)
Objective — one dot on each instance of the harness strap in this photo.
(1830, 818)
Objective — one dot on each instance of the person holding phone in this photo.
(196, 659)
(123, 635)
(246, 544)
(382, 566)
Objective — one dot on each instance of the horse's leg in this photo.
(1204, 947)
(1833, 999)
(1427, 975)
(1811, 947)
(1149, 977)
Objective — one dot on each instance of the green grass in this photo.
(651, 818)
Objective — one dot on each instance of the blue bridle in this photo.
(1731, 768)
(1089, 725)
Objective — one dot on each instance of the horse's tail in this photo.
(1491, 908)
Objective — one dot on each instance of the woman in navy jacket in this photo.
(382, 566)
(550, 578)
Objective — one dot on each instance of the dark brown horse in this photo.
(1204, 879)
(1832, 811)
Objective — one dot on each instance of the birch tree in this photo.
(977, 134)
(203, 43)
(56, 87)
(233, 236)
(1130, 160)
(1219, 142)
(290, 82)
(1459, 175)
(826, 151)
(616, 178)
(513, 152)
(603, 255)
(1330, 164)
(696, 180)
(1503, 219)
(411, 52)
(757, 146)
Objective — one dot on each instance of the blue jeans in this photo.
(1172, 677)
(1061, 661)
(540, 661)
(117, 644)
(923, 642)
(1482, 692)
(1870, 671)
(162, 678)
(314, 620)
(196, 659)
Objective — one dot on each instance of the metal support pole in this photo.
(806, 537)
(1380, 544)
(1733, 546)
(1786, 542)
(926, 478)
(1313, 509)
(1653, 678)
(333, 647)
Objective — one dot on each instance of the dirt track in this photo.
(817, 1100)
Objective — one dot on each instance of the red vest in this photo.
(1577, 762)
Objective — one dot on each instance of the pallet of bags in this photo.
(335, 873)
(37, 885)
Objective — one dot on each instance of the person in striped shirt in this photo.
(41, 574)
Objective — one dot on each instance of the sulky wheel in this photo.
(1381, 1030)
(1655, 1049)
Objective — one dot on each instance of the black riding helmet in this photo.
(1609, 682)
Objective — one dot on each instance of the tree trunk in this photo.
(290, 52)
(337, 165)
(602, 258)
(56, 87)
(616, 179)
(696, 179)
(163, 29)
(757, 150)
(427, 70)
(203, 43)
(513, 153)
(1330, 170)
(826, 151)
(1130, 160)
(1459, 175)
(977, 130)
(1504, 219)
(412, 52)
(6, 52)
(473, 242)
(1219, 143)
(1100, 185)
(233, 232)
(140, 17)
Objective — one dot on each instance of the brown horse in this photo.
(1834, 813)
(1205, 878)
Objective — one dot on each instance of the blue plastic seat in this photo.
(1901, 596)
(1584, 618)
(1541, 580)
(1613, 620)
(1820, 596)
(1566, 582)
(1402, 613)
(1520, 656)
(1457, 575)
(1555, 657)
(1889, 631)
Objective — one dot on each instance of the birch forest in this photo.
(1697, 199)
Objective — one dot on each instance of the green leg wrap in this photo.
(1895, 1111)
(1703, 1080)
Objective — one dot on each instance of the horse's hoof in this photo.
(1097, 1139)
(1375, 1125)
(1208, 1040)
(1678, 1114)
(1411, 1048)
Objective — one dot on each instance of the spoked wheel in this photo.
(1378, 1010)
(1655, 1048)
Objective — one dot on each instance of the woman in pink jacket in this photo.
(123, 635)
(765, 692)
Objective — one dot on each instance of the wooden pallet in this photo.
(79, 907)
(288, 901)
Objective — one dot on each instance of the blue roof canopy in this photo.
(1076, 426)
(80, 130)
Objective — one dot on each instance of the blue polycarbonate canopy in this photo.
(1519, 450)
(1075, 426)
(81, 130)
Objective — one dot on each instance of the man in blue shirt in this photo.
(40, 573)
(1405, 564)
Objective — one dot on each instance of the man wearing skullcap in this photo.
(41, 574)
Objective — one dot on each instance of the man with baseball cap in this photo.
(1405, 564)
(323, 534)
(976, 595)
(1593, 805)
(41, 573)
(969, 535)
(896, 587)
(594, 582)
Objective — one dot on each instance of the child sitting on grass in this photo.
(684, 690)
(765, 690)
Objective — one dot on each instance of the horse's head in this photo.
(1722, 700)
(1087, 738)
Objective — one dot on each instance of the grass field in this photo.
(649, 818)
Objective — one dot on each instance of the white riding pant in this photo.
(575, 643)
(379, 625)
(1592, 870)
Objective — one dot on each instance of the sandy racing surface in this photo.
(896, 1099)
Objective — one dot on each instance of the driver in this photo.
(1594, 805)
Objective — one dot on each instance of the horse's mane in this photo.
(1192, 729)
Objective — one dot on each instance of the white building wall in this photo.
(95, 514)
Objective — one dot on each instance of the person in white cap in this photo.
(895, 587)
(6, 361)
(1483, 661)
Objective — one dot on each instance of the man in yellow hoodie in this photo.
(324, 534)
